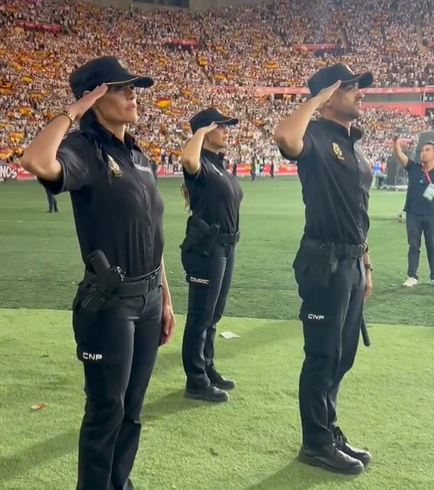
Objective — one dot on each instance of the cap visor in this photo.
(364, 80)
(142, 82)
(228, 121)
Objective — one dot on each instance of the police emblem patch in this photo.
(114, 167)
(337, 151)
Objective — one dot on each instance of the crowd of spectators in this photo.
(242, 47)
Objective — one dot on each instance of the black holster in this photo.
(201, 237)
(197, 250)
(100, 284)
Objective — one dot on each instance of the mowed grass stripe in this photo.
(250, 443)
(41, 263)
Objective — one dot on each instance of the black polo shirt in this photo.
(418, 181)
(335, 179)
(116, 203)
(215, 194)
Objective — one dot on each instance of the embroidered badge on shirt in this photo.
(337, 151)
(114, 167)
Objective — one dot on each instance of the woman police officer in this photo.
(122, 311)
(208, 250)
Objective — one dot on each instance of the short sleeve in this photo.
(74, 155)
(308, 147)
(199, 175)
(411, 165)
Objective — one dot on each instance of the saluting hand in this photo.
(327, 92)
(208, 129)
(168, 324)
(81, 106)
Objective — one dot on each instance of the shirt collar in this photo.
(212, 156)
(355, 133)
(110, 138)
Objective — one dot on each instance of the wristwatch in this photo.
(368, 267)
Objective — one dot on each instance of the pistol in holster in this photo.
(320, 262)
(100, 283)
(201, 238)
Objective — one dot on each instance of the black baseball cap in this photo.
(331, 74)
(208, 116)
(108, 70)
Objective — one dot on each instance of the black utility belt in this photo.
(129, 287)
(222, 238)
(228, 238)
(341, 251)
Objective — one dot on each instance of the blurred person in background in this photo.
(419, 208)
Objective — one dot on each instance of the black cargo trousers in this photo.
(332, 315)
(417, 224)
(209, 274)
(118, 346)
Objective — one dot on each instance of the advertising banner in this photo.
(8, 171)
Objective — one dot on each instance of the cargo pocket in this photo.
(313, 269)
(196, 264)
(320, 328)
(97, 335)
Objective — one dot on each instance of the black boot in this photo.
(208, 393)
(331, 458)
(218, 380)
(342, 443)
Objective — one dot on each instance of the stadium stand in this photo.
(213, 58)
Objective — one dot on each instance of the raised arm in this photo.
(289, 133)
(41, 157)
(399, 154)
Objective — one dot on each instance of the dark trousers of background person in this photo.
(331, 317)
(206, 306)
(417, 224)
(126, 337)
(52, 202)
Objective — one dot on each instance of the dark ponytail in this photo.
(185, 195)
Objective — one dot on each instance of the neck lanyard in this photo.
(428, 178)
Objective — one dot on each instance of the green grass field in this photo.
(252, 442)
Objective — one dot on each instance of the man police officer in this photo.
(332, 266)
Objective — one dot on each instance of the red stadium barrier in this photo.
(23, 174)
(10, 171)
(242, 170)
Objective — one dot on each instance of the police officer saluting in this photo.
(332, 266)
(122, 311)
(208, 251)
